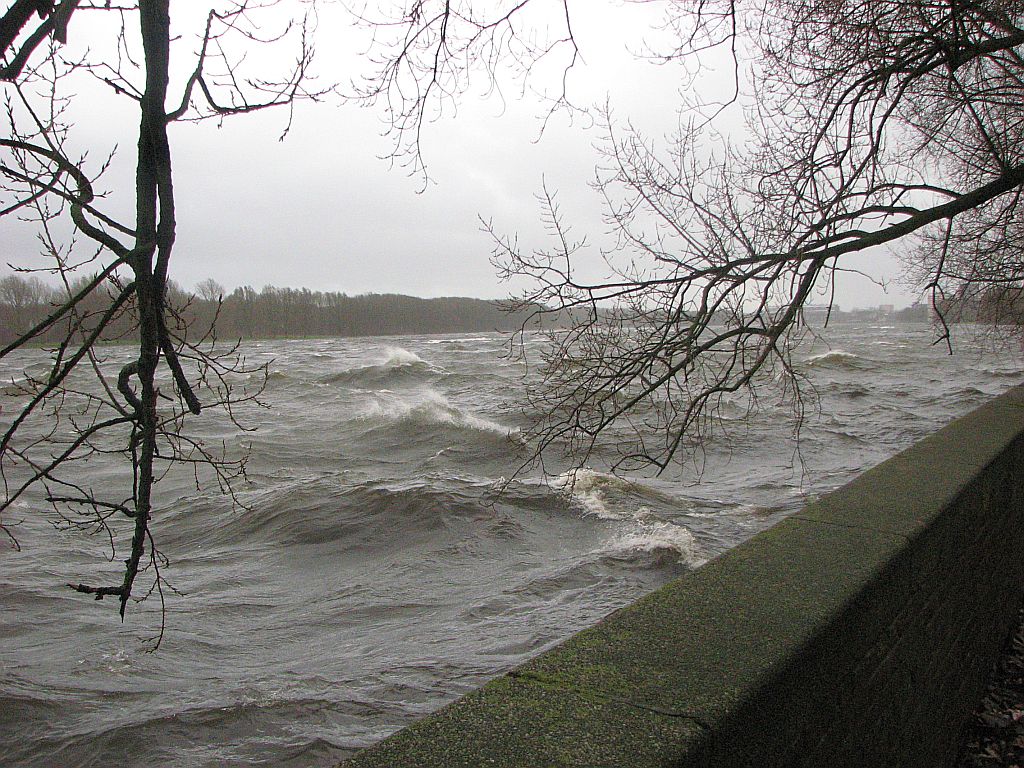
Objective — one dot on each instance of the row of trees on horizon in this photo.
(246, 313)
(273, 312)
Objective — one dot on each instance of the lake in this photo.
(389, 557)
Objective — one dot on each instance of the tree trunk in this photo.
(154, 238)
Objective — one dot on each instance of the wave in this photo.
(461, 340)
(15, 388)
(398, 365)
(272, 376)
(366, 516)
(852, 391)
(997, 373)
(591, 489)
(190, 736)
(835, 358)
(653, 540)
(398, 356)
(429, 408)
(970, 393)
(834, 437)
(642, 538)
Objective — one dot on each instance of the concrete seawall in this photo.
(857, 632)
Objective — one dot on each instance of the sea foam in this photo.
(656, 537)
(428, 407)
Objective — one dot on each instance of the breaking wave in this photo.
(655, 539)
(14, 387)
(429, 408)
(399, 365)
(836, 358)
(599, 493)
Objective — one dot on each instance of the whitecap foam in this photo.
(584, 479)
(393, 362)
(836, 357)
(594, 503)
(460, 340)
(395, 357)
(656, 537)
(588, 488)
(14, 387)
(429, 407)
(591, 489)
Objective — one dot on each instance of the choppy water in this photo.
(378, 574)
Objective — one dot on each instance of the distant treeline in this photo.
(287, 312)
(246, 313)
(271, 312)
(987, 304)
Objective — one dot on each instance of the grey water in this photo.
(376, 571)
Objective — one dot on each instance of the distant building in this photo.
(817, 314)
(886, 309)
(916, 313)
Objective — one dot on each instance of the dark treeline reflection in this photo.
(246, 313)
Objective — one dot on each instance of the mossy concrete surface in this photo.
(857, 632)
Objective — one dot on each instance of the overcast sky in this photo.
(322, 210)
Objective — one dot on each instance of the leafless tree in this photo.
(868, 123)
(209, 290)
(425, 53)
(20, 292)
(120, 287)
